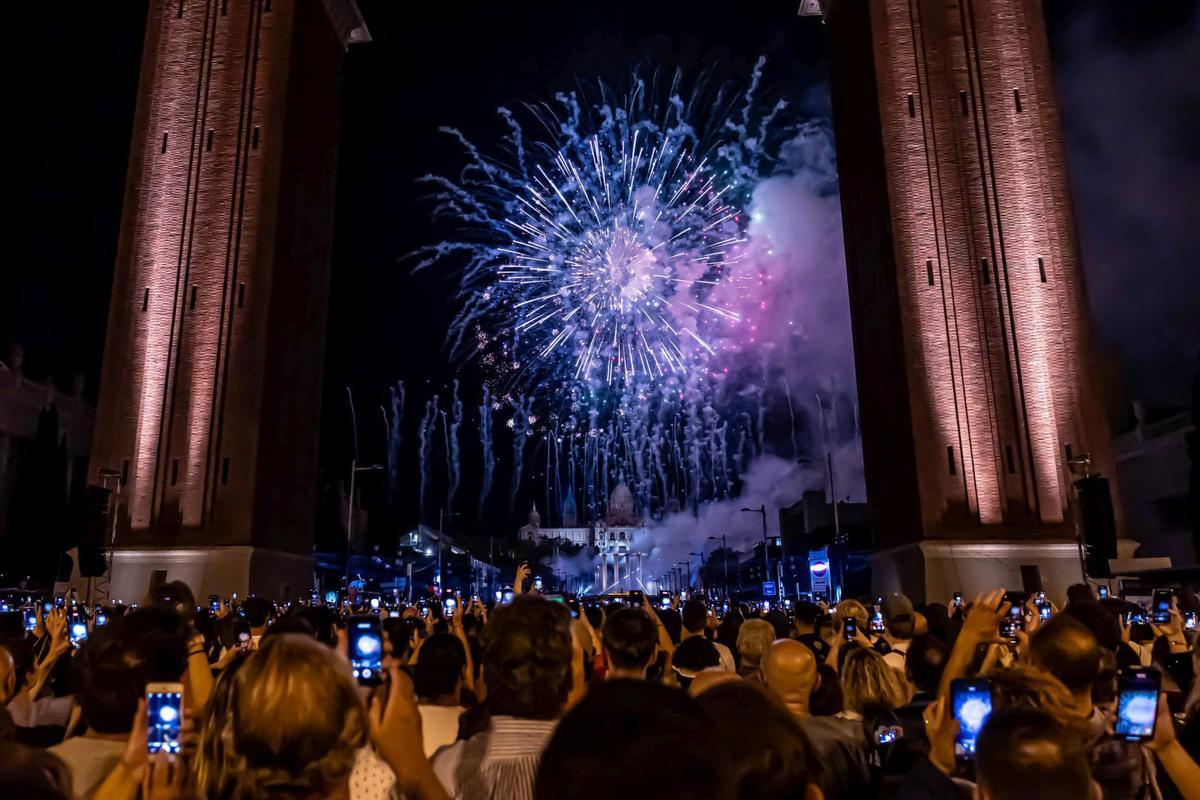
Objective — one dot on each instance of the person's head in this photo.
(925, 661)
(672, 624)
(754, 637)
(693, 655)
(850, 608)
(1099, 619)
(825, 700)
(290, 624)
(870, 684)
(708, 678)
(212, 763)
(119, 659)
(441, 667)
(8, 676)
(638, 731)
(789, 669)
(899, 616)
(695, 615)
(1024, 754)
(321, 618)
(780, 622)
(258, 611)
(630, 640)
(805, 616)
(1024, 686)
(527, 658)
(176, 595)
(33, 774)
(1068, 651)
(297, 720)
(772, 756)
(595, 616)
(1080, 593)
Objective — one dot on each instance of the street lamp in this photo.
(354, 470)
(725, 558)
(766, 557)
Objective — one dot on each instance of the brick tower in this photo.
(210, 392)
(969, 314)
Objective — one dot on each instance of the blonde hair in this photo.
(850, 608)
(753, 639)
(211, 763)
(297, 721)
(869, 682)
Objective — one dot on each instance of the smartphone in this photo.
(664, 603)
(331, 599)
(241, 630)
(101, 618)
(30, 619)
(877, 625)
(449, 603)
(1103, 591)
(164, 709)
(1044, 609)
(214, 603)
(365, 640)
(971, 701)
(1160, 605)
(958, 598)
(374, 603)
(849, 628)
(1014, 621)
(314, 597)
(1041, 596)
(1137, 703)
(46, 606)
(77, 629)
(1189, 621)
(59, 602)
(637, 598)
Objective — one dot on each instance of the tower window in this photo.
(987, 275)
(268, 6)
(164, 144)
(208, 145)
(1067, 451)
(1042, 269)
(241, 294)
(950, 460)
(125, 472)
(225, 471)
(1017, 99)
(929, 271)
(145, 298)
(962, 101)
(912, 106)
(179, 13)
(192, 301)
(254, 138)
(224, 7)
(174, 471)
(1008, 457)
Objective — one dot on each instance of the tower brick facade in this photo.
(969, 314)
(210, 394)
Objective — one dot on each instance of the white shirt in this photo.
(726, 656)
(439, 726)
(498, 764)
(898, 656)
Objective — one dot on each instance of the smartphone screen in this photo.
(331, 598)
(164, 707)
(1013, 622)
(849, 628)
(877, 625)
(365, 635)
(1103, 592)
(77, 628)
(637, 598)
(30, 619)
(1044, 610)
(1137, 703)
(971, 700)
(1161, 606)
(1189, 621)
(958, 598)
(214, 603)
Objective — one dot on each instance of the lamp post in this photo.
(354, 470)
(725, 558)
(766, 556)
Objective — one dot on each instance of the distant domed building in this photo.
(532, 530)
(622, 511)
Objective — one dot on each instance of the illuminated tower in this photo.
(210, 394)
(970, 322)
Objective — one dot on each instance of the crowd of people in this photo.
(1000, 697)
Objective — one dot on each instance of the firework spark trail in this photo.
(453, 454)
(485, 439)
(521, 421)
(425, 433)
(396, 399)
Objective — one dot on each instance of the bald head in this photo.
(1068, 651)
(708, 678)
(790, 671)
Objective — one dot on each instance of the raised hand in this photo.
(519, 581)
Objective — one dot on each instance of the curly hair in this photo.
(297, 721)
(527, 652)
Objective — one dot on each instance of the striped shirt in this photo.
(498, 764)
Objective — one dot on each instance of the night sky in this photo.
(1125, 74)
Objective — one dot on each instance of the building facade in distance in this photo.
(968, 308)
(210, 394)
